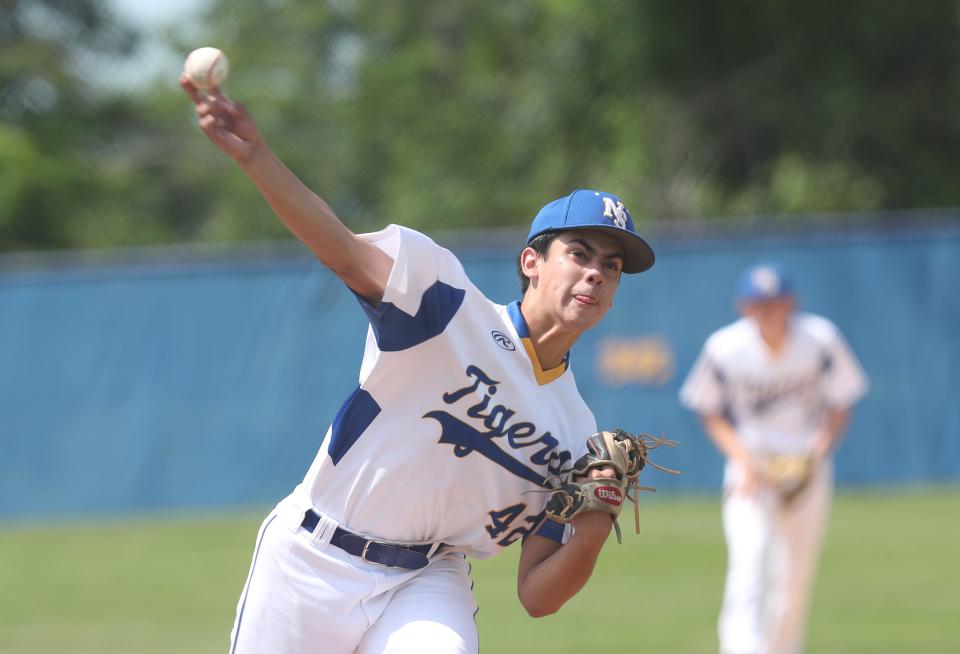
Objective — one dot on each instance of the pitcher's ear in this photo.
(529, 262)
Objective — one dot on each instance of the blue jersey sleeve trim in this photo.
(552, 530)
(395, 330)
(352, 419)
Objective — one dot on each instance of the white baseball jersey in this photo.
(454, 422)
(775, 402)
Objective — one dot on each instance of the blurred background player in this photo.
(774, 391)
(464, 407)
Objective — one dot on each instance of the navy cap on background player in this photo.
(587, 209)
(764, 281)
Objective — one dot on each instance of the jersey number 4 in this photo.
(501, 520)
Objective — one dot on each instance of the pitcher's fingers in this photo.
(209, 124)
(603, 472)
(210, 105)
(219, 96)
(190, 89)
(234, 108)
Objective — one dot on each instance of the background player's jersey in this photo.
(775, 402)
(454, 421)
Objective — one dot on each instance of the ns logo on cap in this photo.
(615, 211)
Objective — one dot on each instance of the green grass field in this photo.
(888, 583)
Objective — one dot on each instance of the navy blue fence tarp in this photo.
(211, 382)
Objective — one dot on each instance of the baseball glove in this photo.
(626, 455)
(788, 474)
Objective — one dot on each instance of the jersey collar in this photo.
(542, 376)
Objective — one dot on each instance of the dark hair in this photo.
(540, 244)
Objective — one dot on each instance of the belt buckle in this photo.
(372, 541)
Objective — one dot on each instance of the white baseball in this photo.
(206, 67)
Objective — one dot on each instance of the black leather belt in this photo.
(392, 555)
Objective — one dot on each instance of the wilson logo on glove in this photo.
(609, 494)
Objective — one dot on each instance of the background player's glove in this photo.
(788, 474)
(624, 455)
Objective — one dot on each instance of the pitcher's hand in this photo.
(225, 122)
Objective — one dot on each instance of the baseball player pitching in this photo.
(774, 391)
(464, 413)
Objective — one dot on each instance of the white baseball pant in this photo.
(772, 555)
(305, 596)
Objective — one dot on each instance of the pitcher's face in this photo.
(579, 276)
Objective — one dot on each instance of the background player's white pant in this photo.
(772, 560)
(304, 596)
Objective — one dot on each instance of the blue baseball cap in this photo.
(763, 281)
(586, 209)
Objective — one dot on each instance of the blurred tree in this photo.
(468, 114)
(48, 116)
(813, 106)
(453, 114)
(461, 113)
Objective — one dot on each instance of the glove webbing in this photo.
(641, 444)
